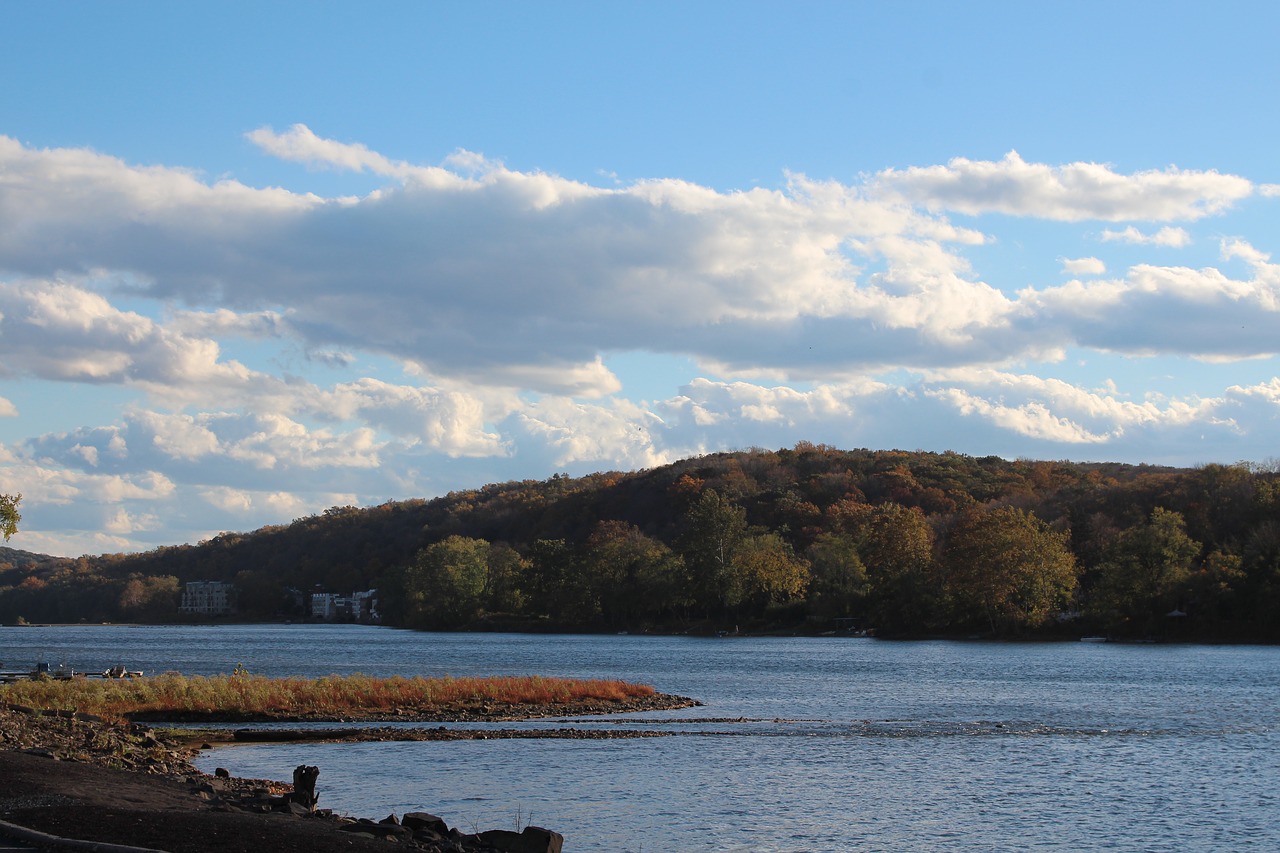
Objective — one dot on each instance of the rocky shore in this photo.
(73, 776)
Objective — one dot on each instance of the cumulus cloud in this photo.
(1202, 313)
(1083, 266)
(60, 331)
(449, 421)
(523, 280)
(1074, 192)
(514, 279)
(977, 411)
(850, 314)
(1168, 236)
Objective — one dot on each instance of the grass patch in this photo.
(241, 695)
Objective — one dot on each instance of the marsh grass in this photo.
(243, 695)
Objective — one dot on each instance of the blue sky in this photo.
(257, 260)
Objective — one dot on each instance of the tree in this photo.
(896, 544)
(633, 577)
(556, 585)
(9, 516)
(765, 572)
(714, 528)
(442, 588)
(1008, 569)
(1146, 572)
(150, 598)
(838, 583)
(506, 569)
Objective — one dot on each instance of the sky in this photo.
(258, 260)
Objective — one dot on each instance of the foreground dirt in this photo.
(84, 778)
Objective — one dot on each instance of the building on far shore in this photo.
(207, 598)
(356, 607)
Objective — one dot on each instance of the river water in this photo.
(836, 744)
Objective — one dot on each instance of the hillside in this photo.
(908, 542)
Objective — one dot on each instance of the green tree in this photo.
(838, 583)
(1007, 569)
(506, 575)
(714, 528)
(9, 516)
(442, 588)
(633, 577)
(554, 585)
(896, 544)
(1146, 573)
(765, 572)
(150, 598)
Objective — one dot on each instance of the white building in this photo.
(356, 607)
(206, 598)
(324, 605)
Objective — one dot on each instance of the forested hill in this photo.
(905, 542)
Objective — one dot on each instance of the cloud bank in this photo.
(277, 352)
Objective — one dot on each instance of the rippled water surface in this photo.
(832, 744)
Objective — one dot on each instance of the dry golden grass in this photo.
(246, 695)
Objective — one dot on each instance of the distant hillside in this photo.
(810, 531)
(12, 558)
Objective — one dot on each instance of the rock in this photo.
(534, 839)
(222, 773)
(379, 830)
(391, 820)
(425, 820)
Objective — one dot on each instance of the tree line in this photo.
(805, 538)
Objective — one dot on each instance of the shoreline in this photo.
(80, 777)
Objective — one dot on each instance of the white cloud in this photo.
(470, 311)
(1203, 313)
(225, 322)
(60, 331)
(1083, 266)
(563, 433)
(1171, 237)
(1072, 193)
(449, 421)
(299, 144)
(506, 278)
(227, 499)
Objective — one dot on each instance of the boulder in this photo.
(534, 839)
(425, 820)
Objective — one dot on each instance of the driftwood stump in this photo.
(304, 786)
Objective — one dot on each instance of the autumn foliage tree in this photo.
(1007, 570)
(634, 578)
(896, 545)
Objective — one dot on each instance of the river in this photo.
(836, 744)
